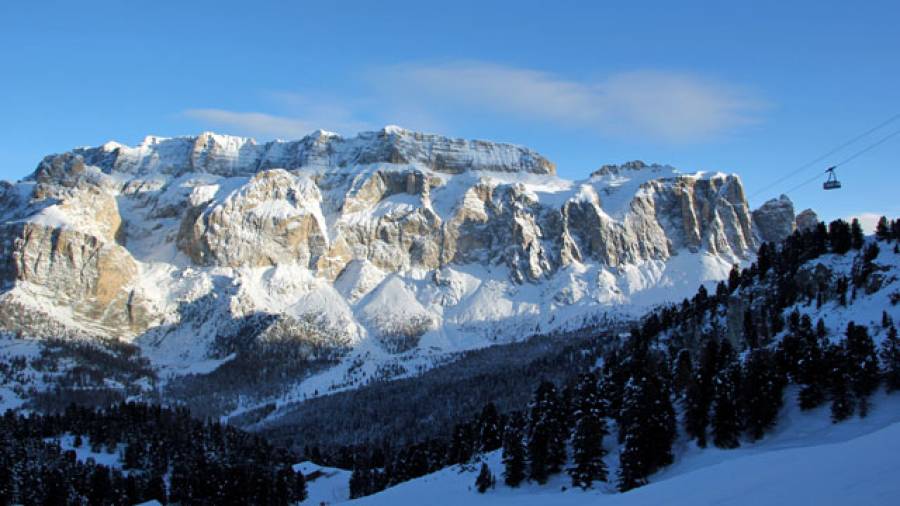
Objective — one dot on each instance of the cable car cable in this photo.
(801, 185)
(846, 160)
(867, 149)
(826, 155)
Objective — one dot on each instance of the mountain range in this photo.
(388, 247)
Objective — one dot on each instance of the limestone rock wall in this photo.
(135, 241)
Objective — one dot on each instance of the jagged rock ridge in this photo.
(393, 237)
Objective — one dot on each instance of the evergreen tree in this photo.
(7, 492)
(763, 260)
(485, 479)
(734, 278)
(812, 368)
(559, 432)
(489, 428)
(862, 363)
(463, 444)
(547, 435)
(612, 383)
(819, 244)
(857, 238)
(890, 359)
(842, 405)
(281, 489)
(156, 489)
(788, 354)
(133, 456)
(649, 420)
(763, 391)
(726, 418)
(360, 478)
(56, 490)
(721, 293)
(100, 486)
(684, 372)
(839, 236)
(180, 482)
(841, 287)
(587, 441)
(821, 330)
(870, 253)
(751, 336)
(633, 472)
(882, 229)
(698, 399)
(514, 450)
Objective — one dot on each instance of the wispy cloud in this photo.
(252, 123)
(669, 106)
(647, 105)
(299, 115)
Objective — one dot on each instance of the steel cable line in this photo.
(867, 149)
(826, 155)
(850, 158)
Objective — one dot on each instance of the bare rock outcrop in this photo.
(807, 220)
(87, 275)
(775, 219)
(235, 156)
(274, 218)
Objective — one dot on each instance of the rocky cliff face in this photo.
(775, 219)
(228, 156)
(807, 220)
(394, 238)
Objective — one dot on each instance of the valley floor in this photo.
(806, 460)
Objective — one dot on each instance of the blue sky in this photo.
(758, 88)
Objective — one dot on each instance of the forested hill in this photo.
(816, 311)
(131, 453)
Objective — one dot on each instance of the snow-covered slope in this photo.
(391, 245)
(807, 461)
(805, 458)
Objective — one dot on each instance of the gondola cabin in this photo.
(832, 182)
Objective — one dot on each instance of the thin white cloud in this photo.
(506, 89)
(645, 105)
(299, 115)
(669, 106)
(325, 111)
(675, 107)
(255, 124)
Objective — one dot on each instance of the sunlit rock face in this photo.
(393, 235)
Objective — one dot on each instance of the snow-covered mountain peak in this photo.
(772, 218)
(179, 243)
(321, 134)
(629, 167)
(394, 130)
(320, 151)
